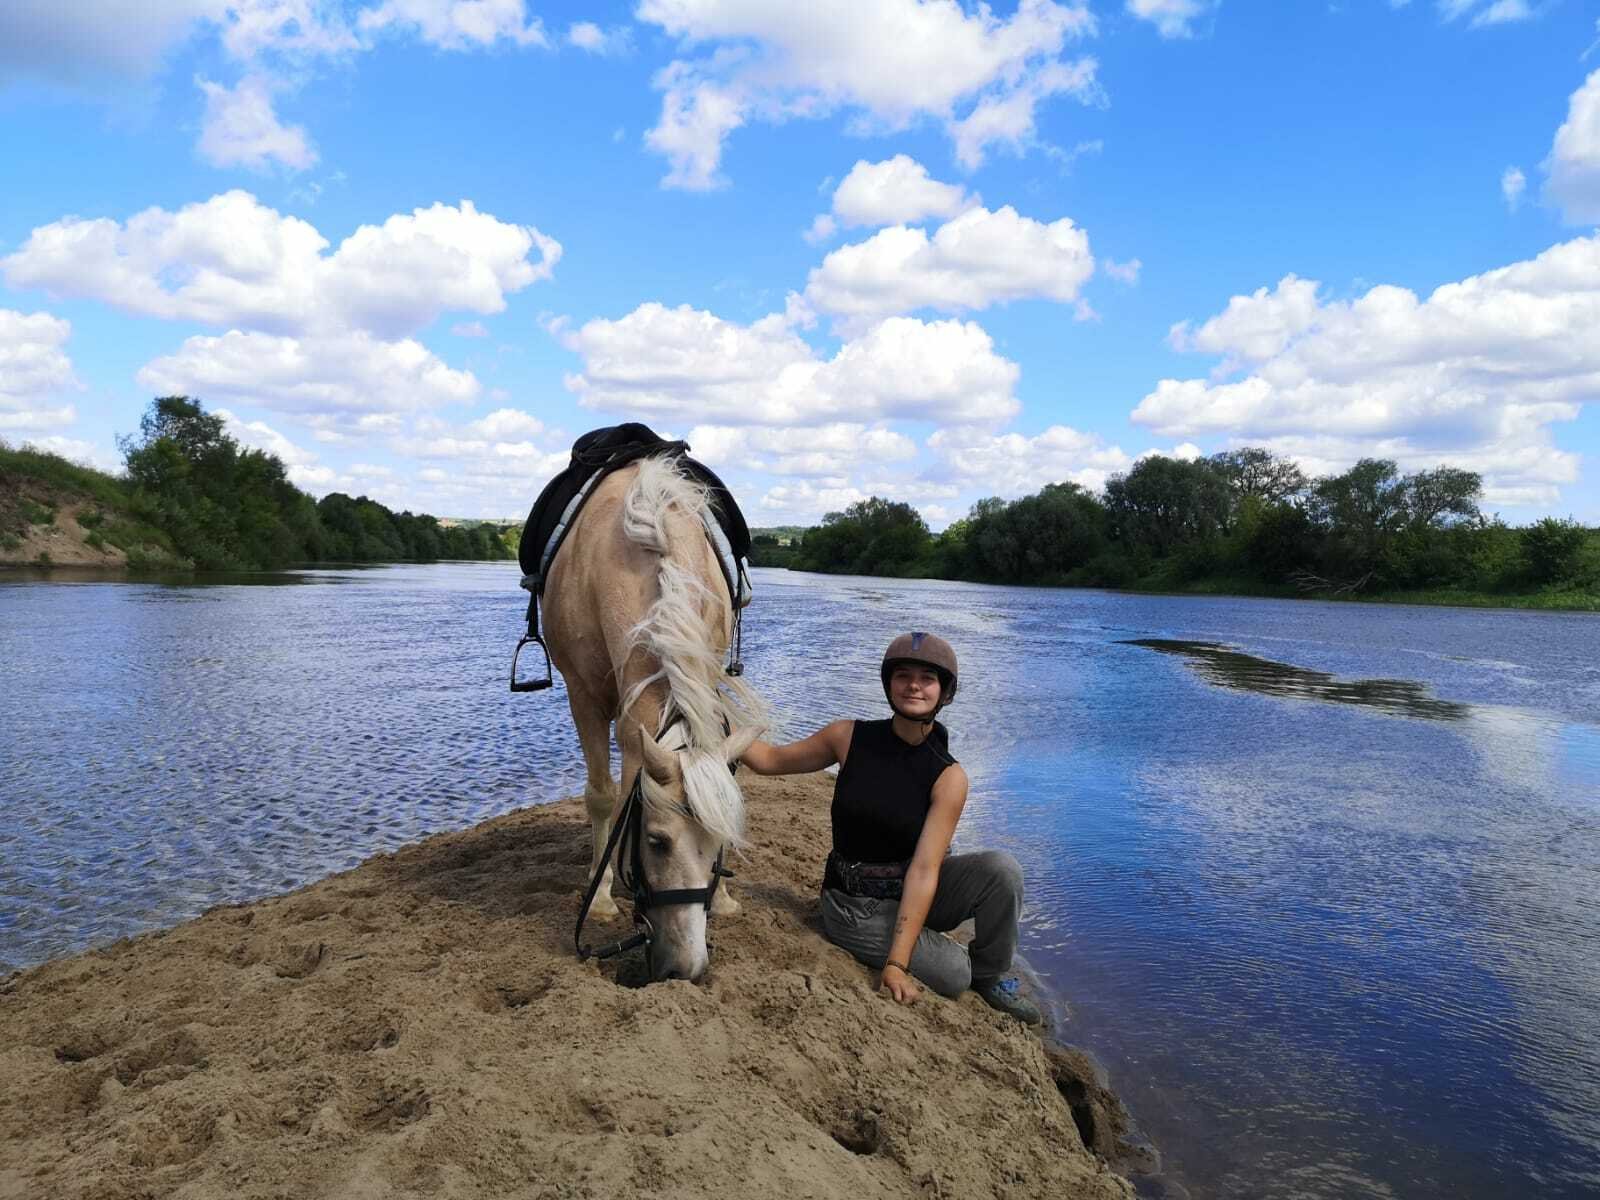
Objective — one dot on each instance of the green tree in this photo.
(1163, 503)
(1551, 548)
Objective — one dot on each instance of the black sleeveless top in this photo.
(884, 791)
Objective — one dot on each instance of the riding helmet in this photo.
(924, 649)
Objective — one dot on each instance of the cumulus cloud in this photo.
(457, 24)
(888, 62)
(1012, 464)
(1006, 118)
(241, 129)
(1474, 375)
(333, 375)
(827, 450)
(34, 370)
(1573, 168)
(979, 259)
(233, 261)
(897, 191)
(690, 364)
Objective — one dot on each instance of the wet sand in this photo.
(420, 1026)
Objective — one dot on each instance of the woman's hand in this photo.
(900, 985)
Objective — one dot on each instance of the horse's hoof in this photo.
(604, 906)
(724, 905)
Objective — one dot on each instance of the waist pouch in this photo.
(876, 881)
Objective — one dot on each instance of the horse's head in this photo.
(692, 810)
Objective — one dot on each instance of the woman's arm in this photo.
(823, 748)
(922, 881)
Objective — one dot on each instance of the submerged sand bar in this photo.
(419, 1026)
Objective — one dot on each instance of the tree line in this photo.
(1240, 520)
(222, 506)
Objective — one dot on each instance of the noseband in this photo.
(628, 832)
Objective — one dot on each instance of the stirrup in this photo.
(535, 684)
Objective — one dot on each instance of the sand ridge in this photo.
(419, 1026)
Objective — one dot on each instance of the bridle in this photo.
(628, 834)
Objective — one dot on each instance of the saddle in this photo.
(594, 456)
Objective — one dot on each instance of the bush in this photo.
(1551, 548)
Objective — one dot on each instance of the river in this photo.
(1315, 882)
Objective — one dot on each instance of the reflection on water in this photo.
(1325, 950)
(1231, 668)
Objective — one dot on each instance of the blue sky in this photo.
(923, 250)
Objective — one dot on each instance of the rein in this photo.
(628, 833)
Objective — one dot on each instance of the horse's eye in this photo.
(658, 844)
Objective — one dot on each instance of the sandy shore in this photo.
(419, 1026)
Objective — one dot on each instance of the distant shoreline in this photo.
(1569, 601)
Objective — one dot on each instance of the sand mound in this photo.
(420, 1026)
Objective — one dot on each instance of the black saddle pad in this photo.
(603, 451)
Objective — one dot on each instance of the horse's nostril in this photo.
(673, 974)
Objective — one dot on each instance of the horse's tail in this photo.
(673, 629)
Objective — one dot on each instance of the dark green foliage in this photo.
(871, 537)
(1551, 548)
(1164, 502)
(192, 496)
(1244, 520)
(1041, 538)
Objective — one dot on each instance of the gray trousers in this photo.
(986, 886)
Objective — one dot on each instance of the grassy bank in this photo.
(192, 498)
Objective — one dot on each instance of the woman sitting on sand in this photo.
(891, 882)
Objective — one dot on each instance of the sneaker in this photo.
(1006, 996)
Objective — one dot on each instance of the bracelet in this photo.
(900, 966)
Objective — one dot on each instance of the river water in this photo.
(1316, 883)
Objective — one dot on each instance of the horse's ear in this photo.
(662, 764)
(741, 740)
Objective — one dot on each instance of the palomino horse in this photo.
(637, 618)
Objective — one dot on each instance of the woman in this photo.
(891, 884)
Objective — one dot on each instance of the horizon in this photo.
(924, 251)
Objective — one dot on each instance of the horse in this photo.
(637, 620)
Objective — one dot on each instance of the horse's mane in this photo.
(703, 702)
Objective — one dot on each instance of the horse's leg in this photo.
(599, 790)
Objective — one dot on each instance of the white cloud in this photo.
(1007, 118)
(897, 191)
(1172, 18)
(693, 365)
(696, 115)
(469, 329)
(335, 376)
(254, 29)
(826, 450)
(233, 261)
(888, 62)
(586, 35)
(34, 370)
(979, 259)
(823, 227)
(458, 24)
(1473, 375)
(505, 424)
(1013, 465)
(1482, 14)
(241, 129)
(1123, 272)
(1254, 327)
(1512, 184)
(1573, 167)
